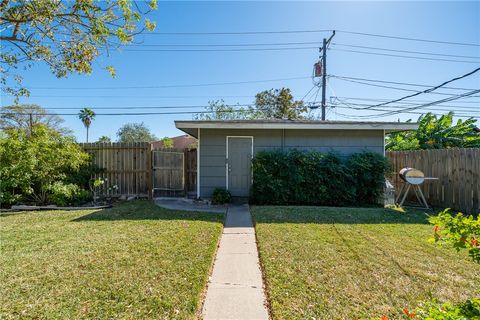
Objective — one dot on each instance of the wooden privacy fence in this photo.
(174, 171)
(126, 165)
(457, 170)
(137, 170)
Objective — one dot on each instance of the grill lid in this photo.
(412, 176)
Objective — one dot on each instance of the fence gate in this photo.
(168, 173)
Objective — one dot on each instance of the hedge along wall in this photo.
(315, 178)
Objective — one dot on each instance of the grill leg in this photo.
(423, 197)
(400, 193)
(405, 195)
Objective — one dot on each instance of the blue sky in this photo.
(445, 21)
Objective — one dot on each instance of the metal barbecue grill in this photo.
(413, 179)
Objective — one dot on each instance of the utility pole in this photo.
(323, 50)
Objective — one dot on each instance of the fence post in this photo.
(149, 172)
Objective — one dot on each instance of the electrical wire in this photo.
(236, 32)
(123, 114)
(447, 107)
(382, 100)
(399, 83)
(311, 31)
(347, 106)
(226, 44)
(408, 39)
(403, 56)
(433, 89)
(170, 86)
(220, 50)
(147, 107)
(439, 101)
(405, 51)
(390, 87)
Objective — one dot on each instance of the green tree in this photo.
(437, 133)
(86, 115)
(135, 132)
(31, 163)
(269, 104)
(104, 139)
(167, 142)
(24, 116)
(218, 110)
(66, 35)
(280, 104)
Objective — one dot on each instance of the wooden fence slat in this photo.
(458, 171)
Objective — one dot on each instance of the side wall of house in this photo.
(213, 147)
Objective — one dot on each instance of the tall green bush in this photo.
(315, 178)
(368, 170)
(31, 161)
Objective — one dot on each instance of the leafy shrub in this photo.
(368, 170)
(434, 310)
(68, 194)
(315, 178)
(221, 196)
(31, 162)
(84, 173)
(462, 232)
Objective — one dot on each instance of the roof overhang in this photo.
(191, 127)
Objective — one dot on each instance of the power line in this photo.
(149, 107)
(394, 88)
(441, 101)
(220, 50)
(124, 114)
(403, 56)
(397, 82)
(312, 31)
(432, 89)
(170, 86)
(135, 96)
(376, 116)
(348, 106)
(409, 39)
(448, 107)
(235, 33)
(410, 109)
(406, 51)
(382, 100)
(226, 45)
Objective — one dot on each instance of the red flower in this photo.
(384, 317)
(408, 313)
(474, 242)
(436, 229)
(463, 239)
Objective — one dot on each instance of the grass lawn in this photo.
(350, 263)
(134, 261)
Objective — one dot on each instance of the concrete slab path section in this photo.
(235, 289)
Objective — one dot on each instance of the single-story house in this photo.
(180, 142)
(226, 147)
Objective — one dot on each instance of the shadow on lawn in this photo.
(338, 215)
(146, 210)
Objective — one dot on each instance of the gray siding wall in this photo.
(213, 147)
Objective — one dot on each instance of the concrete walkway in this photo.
(235, 289)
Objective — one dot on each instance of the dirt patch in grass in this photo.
(134, 261)
(351, 263)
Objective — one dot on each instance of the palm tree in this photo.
(86, 115)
